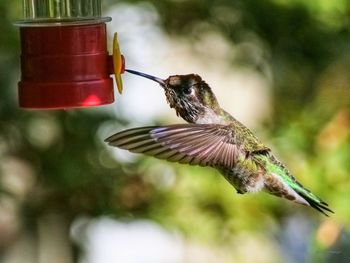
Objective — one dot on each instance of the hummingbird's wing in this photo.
(196, 144)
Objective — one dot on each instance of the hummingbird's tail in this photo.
(314, 201)
(281, 183)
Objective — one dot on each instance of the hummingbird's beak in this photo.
(160, 81)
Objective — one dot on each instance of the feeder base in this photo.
(64, 67)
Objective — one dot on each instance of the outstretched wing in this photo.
(196, 144)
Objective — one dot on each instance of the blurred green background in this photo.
(281, 66)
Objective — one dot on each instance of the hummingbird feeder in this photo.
(64, 58)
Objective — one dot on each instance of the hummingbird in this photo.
(215, 139)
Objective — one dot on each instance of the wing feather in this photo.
(195, 144)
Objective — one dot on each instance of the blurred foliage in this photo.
(70, 171)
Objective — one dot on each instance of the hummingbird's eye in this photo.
(187, 91)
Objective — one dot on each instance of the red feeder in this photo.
(64, 60)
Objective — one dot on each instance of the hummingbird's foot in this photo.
(239, 192)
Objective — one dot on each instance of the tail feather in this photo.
(316, 203)
(292, 188)
(312, 199)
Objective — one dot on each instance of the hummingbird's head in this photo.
(189, 95)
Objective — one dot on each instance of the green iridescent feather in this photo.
(273, 166)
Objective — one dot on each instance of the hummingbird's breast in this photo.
(210, 117)
(245, 176)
